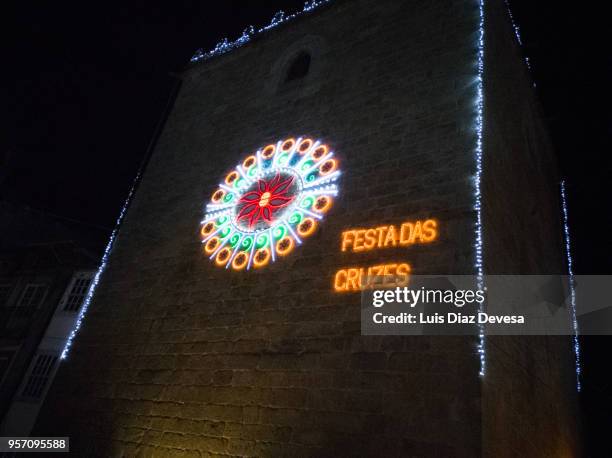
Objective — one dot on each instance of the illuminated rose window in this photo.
(270, 203)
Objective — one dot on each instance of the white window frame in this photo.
(68, 293)
(46, 373)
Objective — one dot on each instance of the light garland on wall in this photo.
(572, 285)
(515, 27)
(517, 34)
(269, 203)
(478, 245)
(279, 18)
(576, 343)
(103, 264)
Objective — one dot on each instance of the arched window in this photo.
(299, 67)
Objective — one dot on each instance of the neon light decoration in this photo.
(572, 285)
(407, 234)
(380, 276)
(250, 32)
(478, 151)
(272, 200)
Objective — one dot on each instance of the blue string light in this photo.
(225, 45)
(572, 285)
(517, 34)
(99, 272)
(478, 245)
(517, 30)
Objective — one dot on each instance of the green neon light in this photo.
(307, 202)
(246, 243)
(306, 165)
(296, 218)
(282, 159)
(262, 241)
(279, 232)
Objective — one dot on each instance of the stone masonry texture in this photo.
(529, 394)
(178, 357)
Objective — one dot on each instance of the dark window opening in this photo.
(299, 67)
(39, 376)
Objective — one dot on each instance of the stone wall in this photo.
(180, 358)
(529, 393)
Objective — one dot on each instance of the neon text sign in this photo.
(381, 237)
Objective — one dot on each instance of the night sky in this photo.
(87, 83)
(87, 87)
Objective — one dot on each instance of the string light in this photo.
(478, 245)
(515, 27)
(225, 45)
(100, 271)
(576, 344)
(517, 34)
(572, 285)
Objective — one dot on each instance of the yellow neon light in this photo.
(231, 177)
(322, 204)
(287, 145)
(328, 167)
(207, 229)
(249, 162)
(268, 151)
(304, 145)
(379, 276)
(261, 258)
(264, 199)
(218, 195)
(320, 151)
(307, 227)
(285, 245)
(211, 245)
(408, 233)
(223, 256)
(240, 261)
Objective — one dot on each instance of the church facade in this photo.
(227, 322)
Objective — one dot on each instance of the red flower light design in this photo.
(267, 198)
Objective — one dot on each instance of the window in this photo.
(32, 296)
(6, 356)
(78, 291)
(5, 292)
(299, 67)
(39, 376)
(29, 301)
